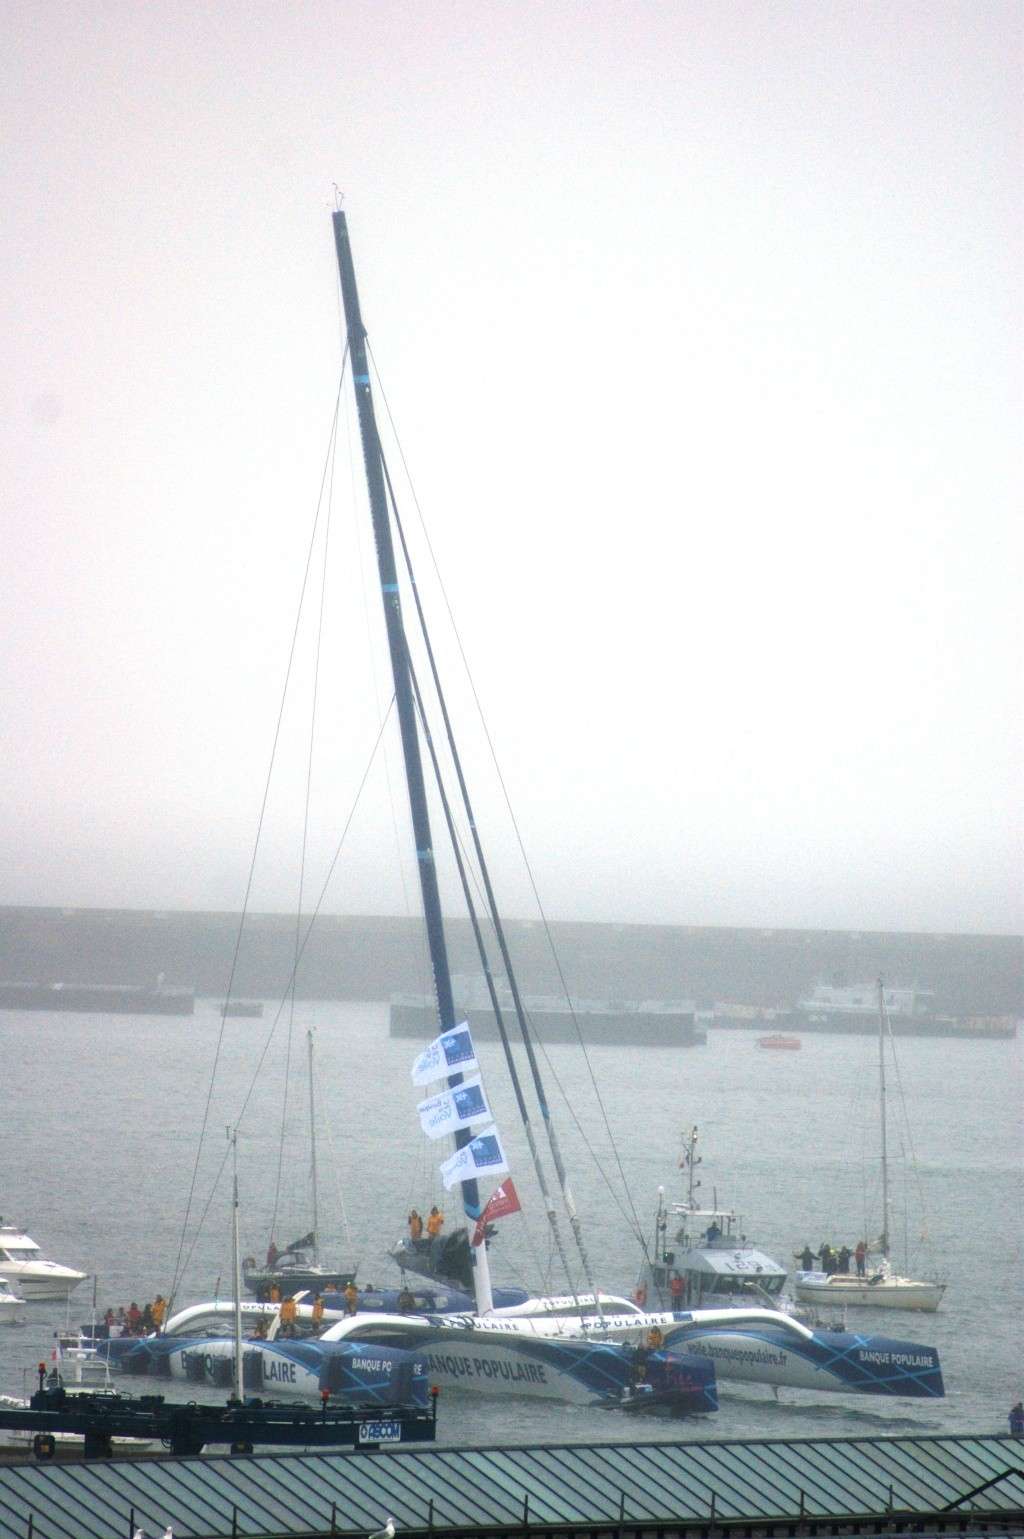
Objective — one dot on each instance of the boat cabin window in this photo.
(16, 1253)
(743, 1286)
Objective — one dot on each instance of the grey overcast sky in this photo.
(700, 325)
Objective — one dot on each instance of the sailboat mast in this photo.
(236, 1267)
(404, 703)
(884, 1118)
(312, 1155)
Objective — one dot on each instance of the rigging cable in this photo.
(905, 1130)
(280, 1009)
(176, 1277)
(500, 936)
(636, 1225)
(305, 829)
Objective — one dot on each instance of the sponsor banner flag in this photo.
(482, 1156)
(504, 1200)
(450, 1053)
(460, 1107)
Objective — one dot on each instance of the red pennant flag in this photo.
(503, 1200)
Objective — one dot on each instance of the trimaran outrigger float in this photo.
(585, 1347)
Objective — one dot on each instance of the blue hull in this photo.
(843, 1361)
(356, 1373)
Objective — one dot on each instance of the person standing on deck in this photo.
(860, 1256)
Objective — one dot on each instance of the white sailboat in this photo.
(879, 1286)
(301, 1265)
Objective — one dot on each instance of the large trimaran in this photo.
(585, 1346)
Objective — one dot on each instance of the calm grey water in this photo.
(100, 1131)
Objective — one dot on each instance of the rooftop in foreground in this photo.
(786, 1487)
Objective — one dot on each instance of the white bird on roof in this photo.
(387, 1532)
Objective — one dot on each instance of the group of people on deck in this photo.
(134, 1321)
(833, 1260)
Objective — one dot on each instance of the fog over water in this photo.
(700, 329)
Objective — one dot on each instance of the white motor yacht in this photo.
(27, 1270)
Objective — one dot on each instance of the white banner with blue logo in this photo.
(450, 1053)
(482, 1156)
(463, 1106)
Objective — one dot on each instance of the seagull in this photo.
(387, 1532)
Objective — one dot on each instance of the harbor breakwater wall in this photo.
(371, 957)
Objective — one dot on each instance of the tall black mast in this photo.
(397, 645)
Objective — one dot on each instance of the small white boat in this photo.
(882, 1290)
(27, 1270)
(11, 1306)
(707, 1262)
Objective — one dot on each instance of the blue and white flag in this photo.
(483, 1156)
(450, 1053)
(460, 1107)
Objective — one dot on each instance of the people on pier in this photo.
(435, 1223)
(415, 1227)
